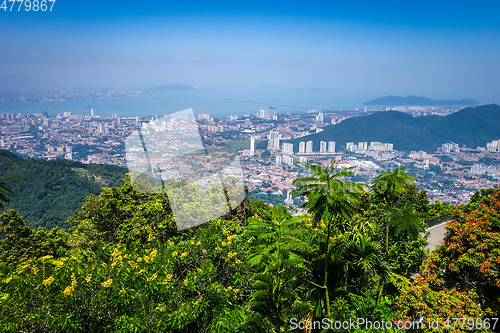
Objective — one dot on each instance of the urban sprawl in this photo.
(450, 174)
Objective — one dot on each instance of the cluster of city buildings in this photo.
(93, 139)
(84, 138)
(493, 146)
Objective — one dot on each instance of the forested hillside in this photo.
(472, 126)
(48, 192)
(359, 252)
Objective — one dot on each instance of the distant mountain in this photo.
(419, 101)
(473, 126)
(48, 192)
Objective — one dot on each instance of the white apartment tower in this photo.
(289, 200)
(319, 117)
(252, 145)
(287, 148)
(379, 146)
(309, 147)
(288, 160)
(449, 148)
(322, 147)
(493, 146)
(302, 147)
(273, 141)
(331, 147)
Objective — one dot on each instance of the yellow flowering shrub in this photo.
(107, 283)
(48, 281)
(152, 277)
(73, 281)
(68, 291)
(167, 278)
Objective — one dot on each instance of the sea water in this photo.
(216, 102)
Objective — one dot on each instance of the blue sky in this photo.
(438, 49)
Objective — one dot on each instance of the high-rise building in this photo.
(303, 159)
(322, 147)
(309, 147)
(493, 146)
(233, 117)
(477, 169)
(273, 141)
(288, 160)
(319, 117)
(287, 148)
(92, 112)
(279, 159)
(379, 146)
(302, 147)
(362, 145)
(202, 116)
(289, 200)
(450, 148)
(331, 147)
(252, 145)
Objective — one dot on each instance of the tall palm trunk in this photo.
(387, 241)
(327, 296)
(381, 284)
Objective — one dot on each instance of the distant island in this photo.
(418, 101)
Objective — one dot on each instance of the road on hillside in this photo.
(436, 236)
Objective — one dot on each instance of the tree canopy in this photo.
(124, 266)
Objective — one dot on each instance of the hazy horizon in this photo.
(446, 50)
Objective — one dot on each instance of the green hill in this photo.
(48, 192)
(473, 126)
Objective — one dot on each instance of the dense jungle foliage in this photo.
(48, 192)
(359, 252)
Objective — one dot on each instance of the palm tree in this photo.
(4, 190)
(331, 200)
(366, 257)
(405, 220)
(388, 187)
